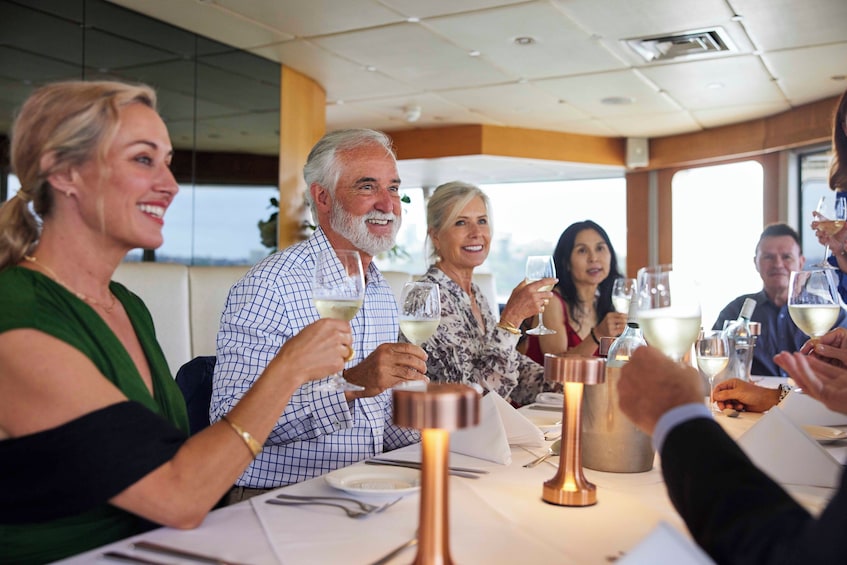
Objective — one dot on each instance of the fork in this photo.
(363, 505)
(351, 512)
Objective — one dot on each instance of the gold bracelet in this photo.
(254, 446)
(508, 327)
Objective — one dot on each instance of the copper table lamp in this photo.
(569, 487)
(436, 411)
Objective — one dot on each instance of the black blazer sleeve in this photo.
(737, 513)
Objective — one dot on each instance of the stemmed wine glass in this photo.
(420, 314)
(712, 352)
(668, 310)
(830, 214)
(338, 292)
(622, 292)
(540, 267)
(420, 311)
(813, 300)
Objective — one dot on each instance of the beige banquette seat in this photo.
(186, 301)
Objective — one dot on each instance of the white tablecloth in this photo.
(499, 518)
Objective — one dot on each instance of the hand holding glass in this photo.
(338, 292)
(712, 351)
(830, 215)
(622, 292)
(668, 310)
(540, 267)
(813, 301)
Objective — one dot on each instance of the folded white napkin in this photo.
(500, 426)
(665, 544)
(805, 410)
(784, 451)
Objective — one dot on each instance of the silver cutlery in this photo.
(127, 558)
(551, 451)
(412, 465)
(417, 464)
(396, 551)
(351, 512)
(547, 407)
(363, 505)
(181, 553)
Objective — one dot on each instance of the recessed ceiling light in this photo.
(715, 85)
(413, 20)
(474, 53)
(617, 100)
(524, 40)
(370, 69)
(522, 80)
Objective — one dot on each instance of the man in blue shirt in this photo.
(777, 254)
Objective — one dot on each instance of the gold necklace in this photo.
(85, 298)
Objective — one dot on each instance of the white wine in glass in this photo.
(540, 267)
(712, 352)
(622, 292)
(831, 214)
(338, 292)
(668, 310)
(420, 311)
(813, 300)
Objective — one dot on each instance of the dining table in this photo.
(495, 516)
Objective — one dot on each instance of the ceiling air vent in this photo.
(687, 44)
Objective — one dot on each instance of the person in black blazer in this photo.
(734, 511)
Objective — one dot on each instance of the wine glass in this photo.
(830, 213)
(622, 291)
(338, 292)
(813, 300)
(420, 311)
(668, 310)
(540, 267)
(712, 352)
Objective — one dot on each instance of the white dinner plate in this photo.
(361, 479)
(550, 399)
(824, 434)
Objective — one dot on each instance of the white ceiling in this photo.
(377, 57)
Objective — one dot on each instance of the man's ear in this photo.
(321, 197)
(801, 263)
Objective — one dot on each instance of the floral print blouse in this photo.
(463, 352)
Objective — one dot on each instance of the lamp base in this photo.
(554, 494)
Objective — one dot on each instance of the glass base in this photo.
(337, 382)
(540, 330)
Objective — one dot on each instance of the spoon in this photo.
(551, 451)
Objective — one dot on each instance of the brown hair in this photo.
(71, 121)
(838, 170)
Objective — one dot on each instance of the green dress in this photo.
(29, 299)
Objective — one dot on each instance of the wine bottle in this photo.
(741, 342)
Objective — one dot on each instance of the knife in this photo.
(412, 465)
(417, 464)
(182, 553)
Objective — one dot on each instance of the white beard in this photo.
(355, 230)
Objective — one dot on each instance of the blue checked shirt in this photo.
(319, 430)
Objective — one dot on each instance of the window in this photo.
(717, 220)
(814, 183)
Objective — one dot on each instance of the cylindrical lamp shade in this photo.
(435, 410)
(444, 406)
(569, 487)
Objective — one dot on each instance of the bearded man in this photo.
(353, 190)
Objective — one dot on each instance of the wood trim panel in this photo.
(451, 141)
(637, 217)
(665, 181)
(302, 119)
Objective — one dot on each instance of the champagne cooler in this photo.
(610, 441)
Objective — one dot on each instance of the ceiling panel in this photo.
(432, 8)
(561, 47)
(729, 115)
(510, 103)
(653, 125)
(389, 49)
(714, 83)
(781, 24)
(803, 82)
